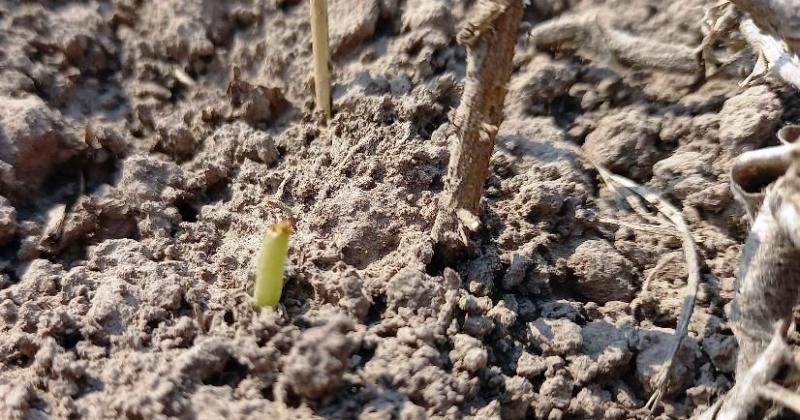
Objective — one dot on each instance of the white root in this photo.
(781, 395)
(778, 56)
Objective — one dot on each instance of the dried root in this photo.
(773, 54)
(630, 188)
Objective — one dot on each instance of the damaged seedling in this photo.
(270, 264)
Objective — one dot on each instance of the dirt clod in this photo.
(555, 336)
(316, 363)
(625, 143)
(615, 281)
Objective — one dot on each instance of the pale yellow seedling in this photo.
(269, 267)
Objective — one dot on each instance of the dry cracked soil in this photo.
(146, 145)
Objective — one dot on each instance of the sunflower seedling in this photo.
(270, 263)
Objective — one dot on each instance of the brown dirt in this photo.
(133, 203)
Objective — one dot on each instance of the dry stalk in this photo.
(692, 267)
(321, 52)
(769, 277)
(659, 266)
(769, 274)
(489, 37)
(658, 229)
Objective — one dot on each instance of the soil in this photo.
(145, 146)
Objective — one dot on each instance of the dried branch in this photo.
(489, 37)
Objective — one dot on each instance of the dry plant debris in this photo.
(740, 402)
(631, 191)
(769, 278)
(767, 183)
(321, 51)
(490, 38)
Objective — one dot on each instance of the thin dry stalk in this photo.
(692, 267)
(321, 52)
(656, 269)
(489, 37)
(659, 229)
